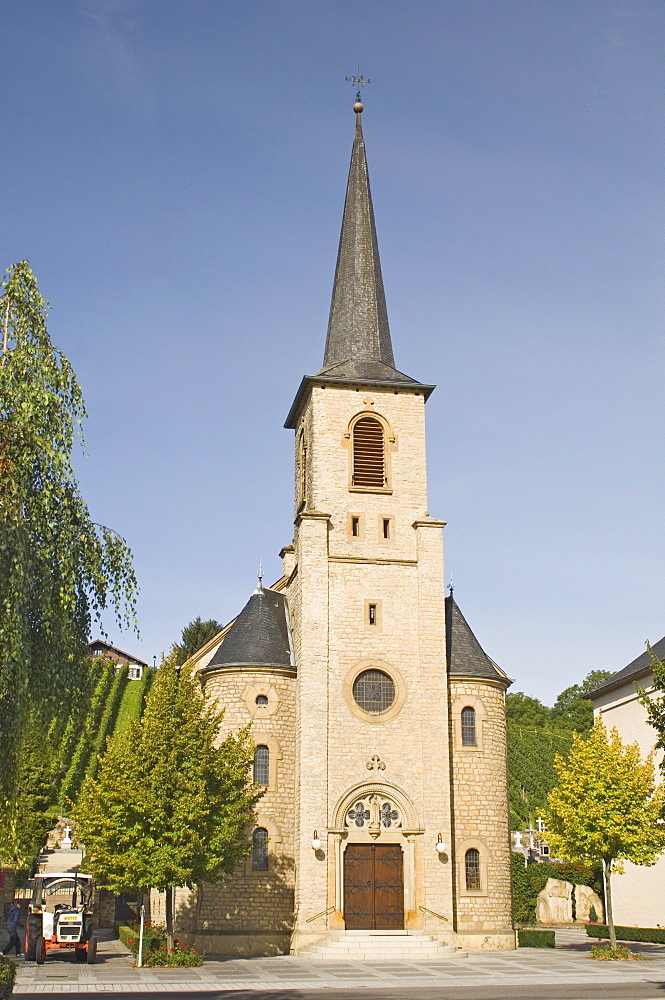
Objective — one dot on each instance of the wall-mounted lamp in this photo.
(316, 842)
(440, 846)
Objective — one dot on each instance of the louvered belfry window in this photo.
(368, 453)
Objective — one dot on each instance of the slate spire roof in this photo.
(259, 636)
(465, 655)
(358, 345)
(358, 326)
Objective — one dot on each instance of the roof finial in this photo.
(259, 586)
(358, 81)
(451, 586)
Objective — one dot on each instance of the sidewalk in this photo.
(569, 963)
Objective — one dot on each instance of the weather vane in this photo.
(358, 81)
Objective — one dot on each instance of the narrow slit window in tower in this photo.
(260, 850)
(371, 613)
(472, 869)
(468, 727)
(261, 765)
(355, 526)
(386, 527)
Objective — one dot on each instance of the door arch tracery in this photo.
(374, 826)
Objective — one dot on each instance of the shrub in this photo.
(604, 953)
(593, 916)
(181, 955)
(154, 937)
(7, 976)
(535, 939)
(652, 935)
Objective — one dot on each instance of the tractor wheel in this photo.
(91, 954)
(40, 950)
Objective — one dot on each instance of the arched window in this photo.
(468, 727)
(261, 764)
(368, 453)
(302, 467)
(472, 868)
(260, 850)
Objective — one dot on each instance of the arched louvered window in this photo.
(368, 453)
(472, 868)
(261, 764)
(260, 850)
(468, 727)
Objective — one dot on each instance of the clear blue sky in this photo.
(175, 171)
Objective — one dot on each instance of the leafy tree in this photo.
(524, 710)
(606, 806)
(58, 569)
(572, 709)
(193, 636)
(169, 806)
(34, 793)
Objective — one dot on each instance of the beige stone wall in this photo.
(481, 808)
(337, 576)
(257, 905)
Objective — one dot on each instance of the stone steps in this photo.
(368, 946)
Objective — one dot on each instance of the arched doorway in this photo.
(375, 829)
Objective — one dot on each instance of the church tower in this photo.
(386, 717)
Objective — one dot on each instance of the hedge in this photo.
(7, 976)
(535, 939)
(653, 935)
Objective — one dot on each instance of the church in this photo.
(378, 719)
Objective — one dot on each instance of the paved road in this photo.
(623, 991)
(564, 973)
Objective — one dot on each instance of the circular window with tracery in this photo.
(374, 691)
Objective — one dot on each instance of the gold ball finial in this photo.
(358, 108)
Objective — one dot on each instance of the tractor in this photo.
(60, 916)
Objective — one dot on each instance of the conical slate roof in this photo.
(259, 636)
(358, 345)
(465, 655)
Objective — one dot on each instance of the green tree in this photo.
(58, 569)
(572, 709)
(524, 710)
(169, 806)
(193, 636)
(656, 706)
(606, 806)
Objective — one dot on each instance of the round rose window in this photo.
(373, 691)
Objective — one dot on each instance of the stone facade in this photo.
(480, 782)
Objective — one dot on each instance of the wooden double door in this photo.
(373, 887)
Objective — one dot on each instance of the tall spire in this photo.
(358, 346)
(358, 326)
